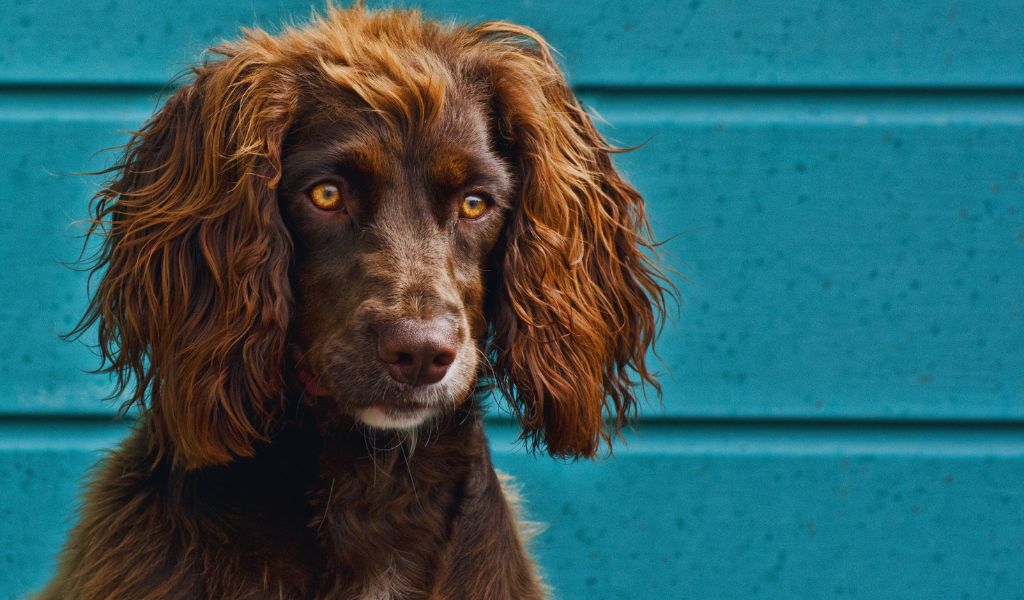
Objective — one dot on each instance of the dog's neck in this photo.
(385, 503)
(371, 514)
(382, 513)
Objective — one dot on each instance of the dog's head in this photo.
(374, 210)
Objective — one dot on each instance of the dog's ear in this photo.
(579, 298)
(193, 304)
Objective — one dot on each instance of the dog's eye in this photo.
(473, 207)
(326, 196)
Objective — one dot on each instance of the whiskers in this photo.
(327, 506)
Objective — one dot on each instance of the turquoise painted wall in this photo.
(842, 184)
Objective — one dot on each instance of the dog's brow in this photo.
(368, 159)
(455, 169)
(450, 169)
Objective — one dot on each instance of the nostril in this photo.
(444, 358)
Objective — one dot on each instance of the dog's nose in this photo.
(417, 352)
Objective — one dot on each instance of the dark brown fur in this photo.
(243, 322)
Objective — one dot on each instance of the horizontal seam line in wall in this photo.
(800, 90)
(649, 439)
(719, 107)
(100, 87)
(813, 423)
(990, 423)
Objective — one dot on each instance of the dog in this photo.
(316, 260)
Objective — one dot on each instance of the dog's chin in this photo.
(404, 408)
(395, 419)
(408, 408)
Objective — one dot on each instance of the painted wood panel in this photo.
(47, 140)
(842, 255)
(838, 255)
(605, 42)
(705, 511)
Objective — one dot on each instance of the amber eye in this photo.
(472, 207)
(326, 196)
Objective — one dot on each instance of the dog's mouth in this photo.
(406, 409)
(310, 382)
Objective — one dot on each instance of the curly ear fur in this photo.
(579, 298)
(193, 305)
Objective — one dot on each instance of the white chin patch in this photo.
(379, 418)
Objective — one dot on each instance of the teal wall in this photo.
(842, 184)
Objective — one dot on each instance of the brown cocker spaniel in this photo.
(316, 258)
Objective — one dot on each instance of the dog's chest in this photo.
(388, 586)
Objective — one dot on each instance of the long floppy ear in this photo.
(579, 298)
(194, 301)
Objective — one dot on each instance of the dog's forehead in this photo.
(444, 146)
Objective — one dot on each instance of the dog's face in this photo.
(371, 212)
(392, 230)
